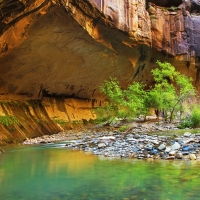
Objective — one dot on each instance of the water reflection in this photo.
(53, 172)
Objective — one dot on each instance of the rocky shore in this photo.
(136, 142)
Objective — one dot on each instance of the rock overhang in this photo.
(69, 47)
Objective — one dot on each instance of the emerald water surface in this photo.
(55, 173)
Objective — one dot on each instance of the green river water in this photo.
(56, 173)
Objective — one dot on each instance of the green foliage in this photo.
(105, 113)
(123, 128)
(153, 17)
(136, 99)
(122, 103)
(173, 8)
(185, 124)
(59, 121)
(193, 121)
(8, 120)
(195, 117)
(112, 90)
(38, 121)
(169, 93)
(76, 122)
(171, 89)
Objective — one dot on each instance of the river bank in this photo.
(141, 140)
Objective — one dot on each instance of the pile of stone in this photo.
(46, 139)
(141, 146)
(134, 143)
(70, 135)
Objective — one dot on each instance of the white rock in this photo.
(189, 140)
(155, 142)
(101, 145)
(168, 149)
(192, 157)
(162, 146)
(187, 134)
(107, 138)
(175, 146)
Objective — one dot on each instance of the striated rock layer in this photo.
(66, 48)
(50, 48)
(39, 117)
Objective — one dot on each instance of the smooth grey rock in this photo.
(162, 146)
(168, 149)
(175, 146)
(179, 155)
(187, 134)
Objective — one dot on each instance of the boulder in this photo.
(172, 153)
(179, 155)
(186, 148)
(192, 156)
(175, 146)
(187, 134)
(168, 149)
(154, 151)
(162, 147)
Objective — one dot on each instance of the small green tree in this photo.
(114, 93)
(137, 99)
(171, 89)
(126, 103)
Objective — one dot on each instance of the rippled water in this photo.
(55, 173)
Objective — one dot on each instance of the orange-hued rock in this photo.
(67, 48)
(49, 116)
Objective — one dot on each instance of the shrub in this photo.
(123, 128)
(8, 120)
(185, 124)
(59, 121)
(195, 117)
(106, 113)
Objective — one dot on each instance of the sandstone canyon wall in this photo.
(64, 49)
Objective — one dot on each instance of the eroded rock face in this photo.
(175, 32)
(69, 47)
(130, 16)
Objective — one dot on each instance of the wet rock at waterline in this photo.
(129, 145)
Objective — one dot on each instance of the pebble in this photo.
(192, 157)
(187, 134)
(101, 145)
(175, 146)
(134, 144)
(162, 146)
